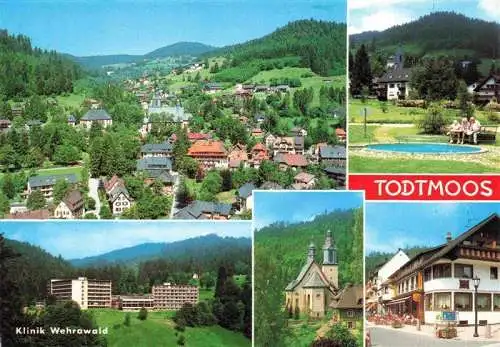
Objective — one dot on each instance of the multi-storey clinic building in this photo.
(173, 297)
(87, 293)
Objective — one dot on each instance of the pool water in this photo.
(425, 148)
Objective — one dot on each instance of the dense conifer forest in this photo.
(26, 70)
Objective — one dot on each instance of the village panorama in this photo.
(185, 135)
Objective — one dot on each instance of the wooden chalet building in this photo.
(440, 279)
(487, 89)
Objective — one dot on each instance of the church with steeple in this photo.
(316, 286)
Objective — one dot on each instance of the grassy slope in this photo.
(158, 330)
(315, 81)
(359, 164)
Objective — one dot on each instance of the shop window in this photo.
(463, 301)
(442, 301)
(484, 302)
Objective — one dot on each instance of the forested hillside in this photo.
(202, 250)
(289, 243)
(438, 32)
(320, 45)
(25, 70)
(34, 266)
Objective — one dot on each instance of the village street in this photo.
(382, 337)
(93, 193)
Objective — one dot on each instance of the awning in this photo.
(398, 301)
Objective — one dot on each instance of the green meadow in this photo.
(158, 330)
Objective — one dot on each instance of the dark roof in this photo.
(486, 79)
(270, 186)
(38, 181)
(350, 298)
(73, 200)
(157, 147)
(246, 190)
(117, 191)
(396, 75)
(197, 208)
(335, 170)
(332, 152)
(154, 163)
(71, 118)
(99, 114)
(163, 175)
(427, 257)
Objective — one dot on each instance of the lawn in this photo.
(227, 197)
(77, 170)
(158, 330)
(396, 114)
(377, 133)
(362, 164)
(70, 100)
(207, 294)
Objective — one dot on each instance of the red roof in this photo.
(294, 159)
(207, 148)
(112, 182)
(259, 147)
(36, 214)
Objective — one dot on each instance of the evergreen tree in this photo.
(61, 188)
(36, 200)
(8, 187)
(361, 72)
(10, 298)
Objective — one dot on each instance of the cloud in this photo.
(379, 20)
(367, 4)
(490, 7)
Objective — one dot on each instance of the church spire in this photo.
(312, 252)
(329, 250)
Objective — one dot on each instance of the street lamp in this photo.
(475, 281)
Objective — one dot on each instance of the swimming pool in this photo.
(425, 148)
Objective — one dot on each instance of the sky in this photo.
(95, 27)
(293, 207)
(88, 238)
(390, 226)
(367, 15)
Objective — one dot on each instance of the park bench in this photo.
(487, 134)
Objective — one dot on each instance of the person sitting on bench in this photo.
(465, 127)
(475, 128)
(455, 131)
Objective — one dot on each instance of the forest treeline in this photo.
(26, 70)
(31, 270)
(320, 45)
(439, 31)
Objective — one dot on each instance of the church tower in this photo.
(311, 252)
(330, 265)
